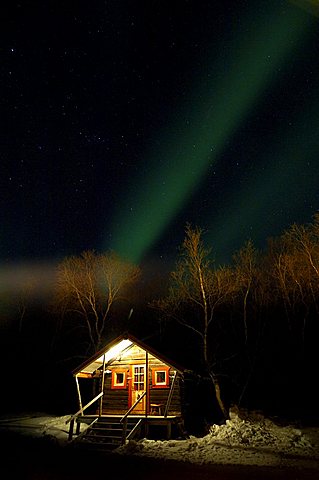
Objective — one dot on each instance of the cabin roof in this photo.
(114, 348)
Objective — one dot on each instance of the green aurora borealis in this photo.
(175, 166)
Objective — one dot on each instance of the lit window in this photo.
(160, 377)
(118, 379)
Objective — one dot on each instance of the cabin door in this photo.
(138, 387)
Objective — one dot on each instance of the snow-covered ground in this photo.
(254, 441)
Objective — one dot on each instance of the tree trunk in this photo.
(218, 396)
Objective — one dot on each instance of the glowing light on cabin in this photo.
(115, 351)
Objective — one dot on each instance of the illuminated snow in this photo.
(238, 442)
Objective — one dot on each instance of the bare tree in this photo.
(305, 239)
(253, 295)
(302, 251)
(246, 272)
(89, 285)
(293, 267)
(195, 283)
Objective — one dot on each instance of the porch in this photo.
(114, 430)
(108, 432)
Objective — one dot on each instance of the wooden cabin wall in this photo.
(114, 401)
(160, 395)
(117, 401)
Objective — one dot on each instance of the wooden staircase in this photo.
(105, 434)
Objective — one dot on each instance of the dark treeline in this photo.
(262, 321)
(247, 332)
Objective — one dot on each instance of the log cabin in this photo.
(137, 391)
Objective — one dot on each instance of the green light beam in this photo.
(189, 146)
(277, 185)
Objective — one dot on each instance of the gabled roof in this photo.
(116, 347)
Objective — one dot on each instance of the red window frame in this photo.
(114, 384)
(155, 384)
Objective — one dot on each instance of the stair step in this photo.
(110, 422)
(110, 430)
(117, 424)
(98, 428)
(103, 429)
(102, 436)
(105, 434)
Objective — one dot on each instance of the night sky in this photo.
(121, 121)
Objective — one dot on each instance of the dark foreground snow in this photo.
(240, 445)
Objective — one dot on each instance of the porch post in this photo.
(147, 385)
(79, 393)
(170, 394)
(102, 386)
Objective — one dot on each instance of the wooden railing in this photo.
(135, 429)
(84, 432)
(79, 412)
(168, 403)
(124, 418)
